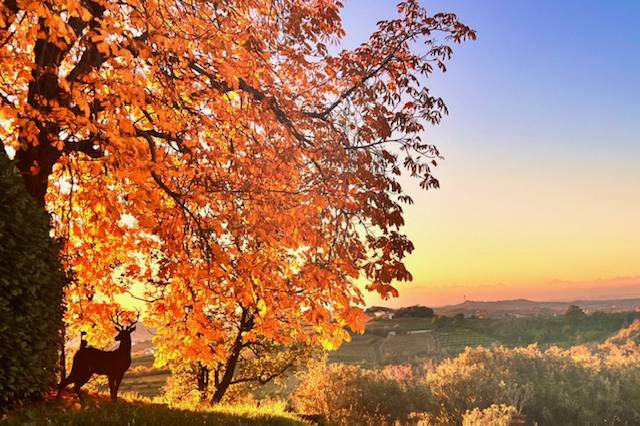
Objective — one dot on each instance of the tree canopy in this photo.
(228, 154)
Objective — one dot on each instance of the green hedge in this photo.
(31, 283)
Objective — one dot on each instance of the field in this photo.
(418, 340)
(407, 340)
(142, 379)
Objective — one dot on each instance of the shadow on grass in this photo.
(97, 410)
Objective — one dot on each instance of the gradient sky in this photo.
(540, 192)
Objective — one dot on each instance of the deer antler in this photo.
(133, 323)
(116, 321)
(119, 326)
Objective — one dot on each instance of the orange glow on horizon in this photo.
(562, 236)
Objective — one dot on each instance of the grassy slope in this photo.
(99, 411)
(143, 379)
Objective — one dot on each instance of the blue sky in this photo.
(541, 182)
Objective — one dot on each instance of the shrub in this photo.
(629, 333)
(568, 387)
(181, 389)
(350, 395)
(31, 283)
(494, 415)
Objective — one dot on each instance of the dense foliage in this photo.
(631, 333)
(557, 330)
(31, 284)
(576, 386)
(350, 395)
(545, 330)
(569, 387)
(494, 415)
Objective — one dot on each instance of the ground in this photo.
(97, 409)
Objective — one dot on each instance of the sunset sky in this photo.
(540, 192)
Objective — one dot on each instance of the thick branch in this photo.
(87, 146)
(263, 379)
(92, 58)
(258, 95)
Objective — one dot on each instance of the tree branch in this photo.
(86, 146)
(258, 95)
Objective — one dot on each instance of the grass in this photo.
(381, 327)
(97, 410)
(148, 383)
(141, 379)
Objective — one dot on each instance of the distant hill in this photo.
(141, 339)
(142, 333)
(526, 307)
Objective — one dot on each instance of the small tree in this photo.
(257, 363)
(574, 311)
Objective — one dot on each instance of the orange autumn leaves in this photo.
(217, 153)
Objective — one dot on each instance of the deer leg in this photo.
(79, 382)
(63, 384)
(116, 387)
(112, 388)
(76, 388)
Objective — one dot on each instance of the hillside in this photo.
(524, 307)
(410, 340)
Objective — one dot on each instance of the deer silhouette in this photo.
(89, 361)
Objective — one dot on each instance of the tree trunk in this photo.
(36, 160)
(246, 324)
(63, 353)
(35, 165)
(203, 377)
(229, 370)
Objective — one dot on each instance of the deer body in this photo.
(89, 361)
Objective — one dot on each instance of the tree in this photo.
(415, 311)
(574, 311)
(236, 330)
(218, 151)
(260, 362)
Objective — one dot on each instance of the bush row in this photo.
(577, 386)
